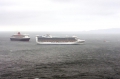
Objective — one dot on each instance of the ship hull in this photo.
(58, 43)
(61, 43)
(19, 39)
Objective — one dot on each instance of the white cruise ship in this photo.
(48, 39)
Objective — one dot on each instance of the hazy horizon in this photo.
(58, 15)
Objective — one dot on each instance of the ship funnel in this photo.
(18, 33)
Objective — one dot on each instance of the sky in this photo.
(59, 15)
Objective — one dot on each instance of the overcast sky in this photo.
(59, 15)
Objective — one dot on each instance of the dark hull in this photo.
(19, 39)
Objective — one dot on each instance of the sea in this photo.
(97, 58)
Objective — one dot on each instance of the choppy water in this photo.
(98, 58)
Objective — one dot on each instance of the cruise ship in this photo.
(49, 39)
(20, 37)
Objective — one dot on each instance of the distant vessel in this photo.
(48, 39)
(20, 37)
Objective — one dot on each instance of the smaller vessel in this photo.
(48, 39)
(20, 37)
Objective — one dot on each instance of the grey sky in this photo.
(59, 15)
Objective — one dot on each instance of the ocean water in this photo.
(98, 58)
